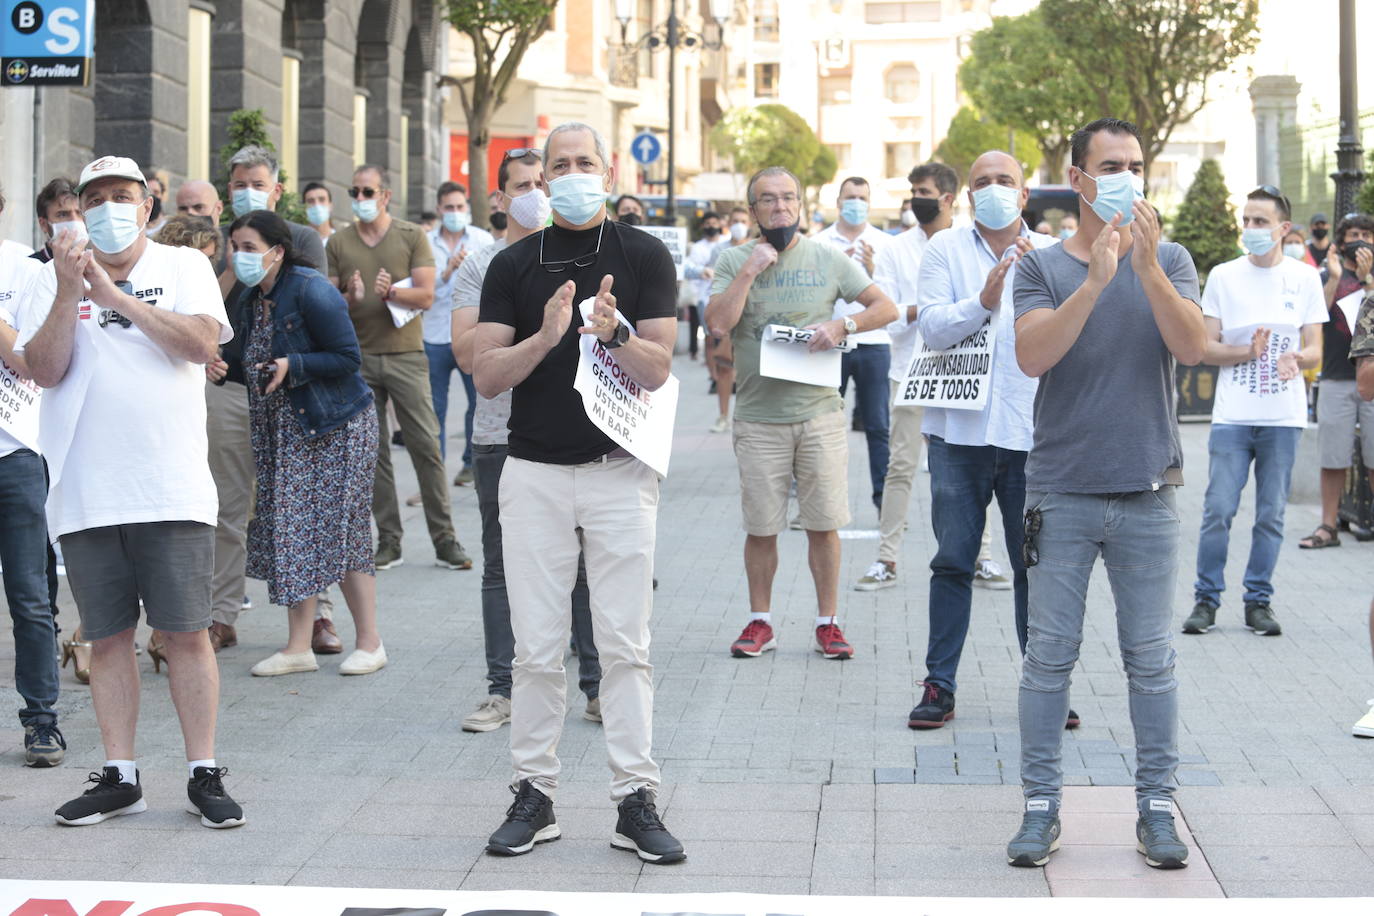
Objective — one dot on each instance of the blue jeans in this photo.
(868, 365)
(1136, 534)
(442, 365)
(24, 553)
(1231, 449)
(963, 480)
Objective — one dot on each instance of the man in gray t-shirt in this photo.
(1100, 320)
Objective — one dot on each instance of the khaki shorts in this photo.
(1338, 408)
(770, 455)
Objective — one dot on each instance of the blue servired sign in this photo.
(646, 148)
(46, 42)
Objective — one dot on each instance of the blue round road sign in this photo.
(646, 148)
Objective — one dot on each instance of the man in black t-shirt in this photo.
(567, 486)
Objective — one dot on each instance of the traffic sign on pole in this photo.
(646, 148)
(46, 42)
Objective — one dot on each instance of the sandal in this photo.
(1324, 536)
(78, 652)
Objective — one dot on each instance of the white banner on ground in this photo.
(19, 404)
(1254, 390)
(640, 421)
(958, 378)
(783, 354)
(111, 898)
(674, 238)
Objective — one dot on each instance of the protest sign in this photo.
(674, 238)
(19, 400)
(402, 315)
(958, 378)
(783, 354)
(1252, 392)
(638, 420)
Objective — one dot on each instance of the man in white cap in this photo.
(119, 333)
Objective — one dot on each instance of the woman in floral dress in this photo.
(314, 435)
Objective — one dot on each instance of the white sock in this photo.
(766, 618)
(192, 764)
(823, 621)
(128, 772)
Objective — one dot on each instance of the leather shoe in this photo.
(325, 641)
(223, 636)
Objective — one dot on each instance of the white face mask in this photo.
(531, 209)
(738, 231)
(74, 225)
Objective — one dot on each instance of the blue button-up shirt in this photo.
(954, 269)
(435, 319)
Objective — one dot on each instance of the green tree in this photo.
(501, 31)
(248, 127)
(1017, 74)
(822, 171)
(970, 136)
(1206, 221)
(1155, 55)
(767, 135)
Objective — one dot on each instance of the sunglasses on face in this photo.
(369, 193)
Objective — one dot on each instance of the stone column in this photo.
(245, 67)
(1275, 102)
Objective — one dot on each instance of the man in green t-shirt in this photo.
(784, 429)
(379, 262)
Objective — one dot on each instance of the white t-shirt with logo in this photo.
(124, 431)
(1281, 298)
(16, 269)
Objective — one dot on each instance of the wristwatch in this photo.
(622, 334)
(850, 325)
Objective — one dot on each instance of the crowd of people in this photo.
(218, 395)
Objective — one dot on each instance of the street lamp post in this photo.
(672, 34)
(1349, 154)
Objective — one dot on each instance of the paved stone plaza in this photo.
(783, 774)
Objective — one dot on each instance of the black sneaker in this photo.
(935, 709)
(639, 829)
(1203, 618)
(529, 820)
(205, 791)
(107, 798)
(1157, 839)
(44, 745)
(1259, 619)
(1073, 721)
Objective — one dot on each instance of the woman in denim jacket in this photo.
(314, 434)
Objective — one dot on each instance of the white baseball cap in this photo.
(110, 167)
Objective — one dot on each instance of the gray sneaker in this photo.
(388, 555)
(491, 714)
(450, 555)
(1259, 619)
(593, 711)
(1038, 836)
(880, 575)
(1203, 618)
(1155, 836)
(44, 745)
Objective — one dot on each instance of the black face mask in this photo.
(632, 219)
(1352, 250)
(711, 231)
(780, 237)
(498, 221)
(156, 212)
(927, 209)
(1319, 234)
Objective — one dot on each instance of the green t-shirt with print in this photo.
(800, 288)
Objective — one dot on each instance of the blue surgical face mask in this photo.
(112, 226)
(456, 221)
(1116, 193)
(318, 214)
(854, 211)
(249, 267)
(246, 200)
(1295, 250)
(365, 209)
(996, 206)
(1066, 234)
(1258, 242)
(577, 197)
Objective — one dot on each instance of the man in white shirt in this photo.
(119, 335)
(1264, 315)
(871, 359)
(453, 239)
(965, 285)
(701, 258)
(933, 187)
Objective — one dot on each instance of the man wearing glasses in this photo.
(376, 262)
(119, 333)
(1264, 315)
(785, 430)
(567, 488)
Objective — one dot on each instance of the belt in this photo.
(612, 455)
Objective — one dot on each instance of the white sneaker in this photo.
(990, 575)
(879, 575)
(722, 424)
(491, 714)
(280, 663)
(1365, 727)
(360, 662)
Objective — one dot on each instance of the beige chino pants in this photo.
(231, 466)
(904, 459)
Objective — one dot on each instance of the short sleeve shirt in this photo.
(799, 289)
(491, 415)
(401, 250)
(1362, 345)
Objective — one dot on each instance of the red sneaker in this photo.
(831, 643)
(756, 639)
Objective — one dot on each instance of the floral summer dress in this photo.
(313, 521)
